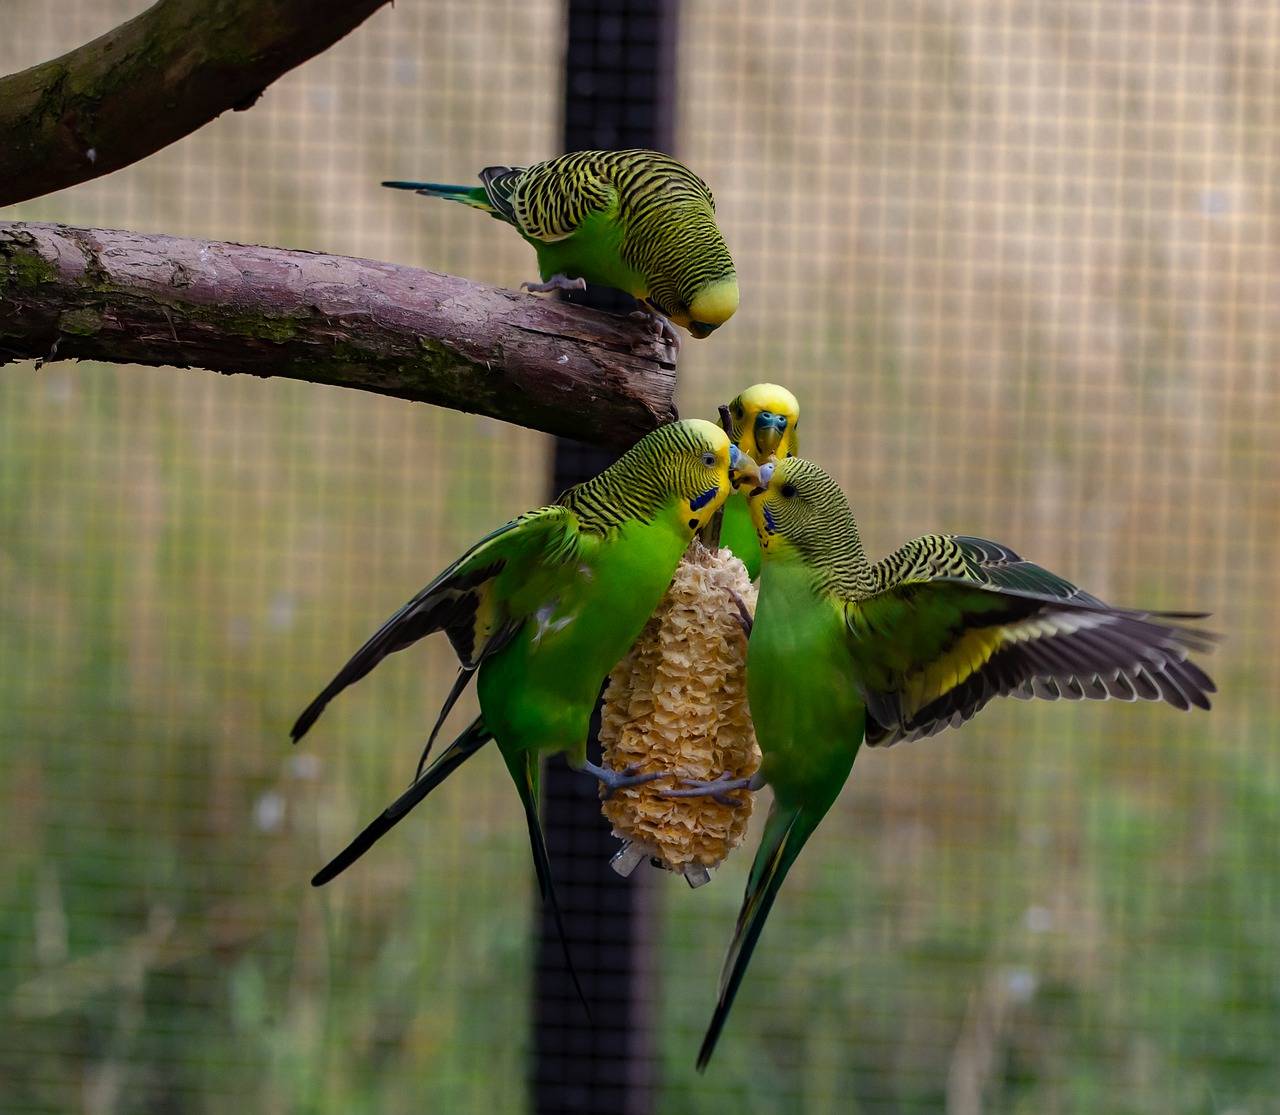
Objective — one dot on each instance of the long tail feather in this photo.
(460, 684)
(421, 616)
(457, 753)
(784, 835)
(473, 196)
(527, 784)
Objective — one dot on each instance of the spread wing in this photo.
(470, 600)
(962, 620)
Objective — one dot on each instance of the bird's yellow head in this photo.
(763, 422)
(712, 306)
(702, 467)
(798, 509)
(671, 240)
(705, 312)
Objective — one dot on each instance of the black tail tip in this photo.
(303, 724)
(705, 1053)
(326, 874)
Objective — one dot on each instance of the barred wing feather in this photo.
(961, 620)
(464, 601)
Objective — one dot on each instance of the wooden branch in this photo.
(97, 294)
(152, 81)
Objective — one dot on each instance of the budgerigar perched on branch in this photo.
(638, 221)
(540, 610)
(844, 649)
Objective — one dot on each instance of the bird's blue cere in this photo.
(735, 456)
(766, 474)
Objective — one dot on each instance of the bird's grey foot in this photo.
(661, 326)
(556, 282)
(613, 780)
(718, 789)
(744, 613)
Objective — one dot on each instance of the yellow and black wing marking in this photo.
(468, 601)
(960, 620)
(549, 200)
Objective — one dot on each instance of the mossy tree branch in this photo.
(152, 81)
(98, 294)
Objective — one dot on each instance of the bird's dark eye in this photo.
(737, 410)
(709, 459)
(787, 490)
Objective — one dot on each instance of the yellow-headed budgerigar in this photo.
(763, 422)
(638, 221)
(844, 650)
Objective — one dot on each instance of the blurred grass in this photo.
(1019, 262)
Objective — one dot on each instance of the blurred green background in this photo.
(1020, 261)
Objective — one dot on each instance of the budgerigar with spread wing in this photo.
(845, 650)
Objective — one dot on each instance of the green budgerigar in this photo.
(638, 221)
(845, 650)
(763, 422)
(541, 610)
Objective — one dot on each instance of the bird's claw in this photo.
(613, 780)
(744, 613)
(717, 789)
(556, 282)
(661, 326)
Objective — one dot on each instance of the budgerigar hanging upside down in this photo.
(763, 423)
(638, 221)
(540, 610)
(844, 649)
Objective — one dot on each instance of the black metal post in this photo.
(619, 91)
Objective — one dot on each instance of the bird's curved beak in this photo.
(702, 329)
(742, 468)
(769, 430)
(763, 475)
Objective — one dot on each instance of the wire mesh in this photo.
(618, 93)
(1018, 260)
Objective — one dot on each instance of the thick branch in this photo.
(75, 293)
(152, 81)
